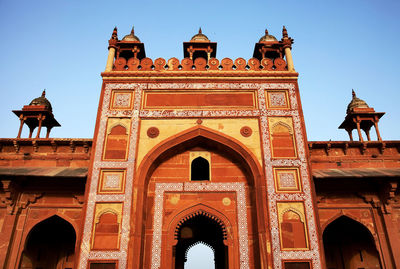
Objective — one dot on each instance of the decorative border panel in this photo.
(126, 198)
(238, 187)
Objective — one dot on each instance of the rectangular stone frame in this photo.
(113, 191)
(292, 170)
(238, 187)
(269, 102)
(114, 94)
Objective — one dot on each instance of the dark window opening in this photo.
(200, 169)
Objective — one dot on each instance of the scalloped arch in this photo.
(201, 212)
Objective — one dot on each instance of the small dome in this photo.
(131, 37)
(267, 37)
(356, 103)
(42, 101)
(200, 37)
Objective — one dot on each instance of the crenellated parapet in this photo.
(199, 64)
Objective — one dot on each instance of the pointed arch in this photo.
(283, 124)
(195, 210)
(203, 227)
(349, 243)
(46, 217)
(199, 169)
(350, 216)
(193, 136)
(50, 242)
(117, 125)
(209, 139)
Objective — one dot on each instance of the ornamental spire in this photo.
(284, 32)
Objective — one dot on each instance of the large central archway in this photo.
(201, 227)
(199, 138)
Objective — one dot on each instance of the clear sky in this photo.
(61, 45)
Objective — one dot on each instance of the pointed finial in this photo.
(133, 30)
(266, 31)
(200, 32)
(284, 32)
(114, 33)
(353, 93)
(44, 93)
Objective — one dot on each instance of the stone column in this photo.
(289, 59)
(110, 59)
(40, 125)
(22, 119)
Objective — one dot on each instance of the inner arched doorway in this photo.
(50, 244)
(201, 229)
(349, 244)
(200, 256)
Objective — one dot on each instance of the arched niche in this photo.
(199, 169)
(116, 144)
(50, 244)
(349, 244)
(106, 233)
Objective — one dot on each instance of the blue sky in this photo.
(62, 46)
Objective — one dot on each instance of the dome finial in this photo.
(355, 103)
(44, 93)
(267, 37)
(200, 37)
(131, 37)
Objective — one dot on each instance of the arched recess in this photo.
(50, 244)
(199, 226)
(349, 244)
(176, 221)
(350, 216)
(200, 169)
(210, 140)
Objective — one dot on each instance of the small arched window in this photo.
(200, 169)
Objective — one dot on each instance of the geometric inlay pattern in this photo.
(287, 179)
(238, 187)
(277, 99)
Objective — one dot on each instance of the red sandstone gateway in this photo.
(199, 150)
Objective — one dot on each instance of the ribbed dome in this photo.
(200, 37)
(42, 101)
(131, 37)
(356, 103)
(267, 37)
